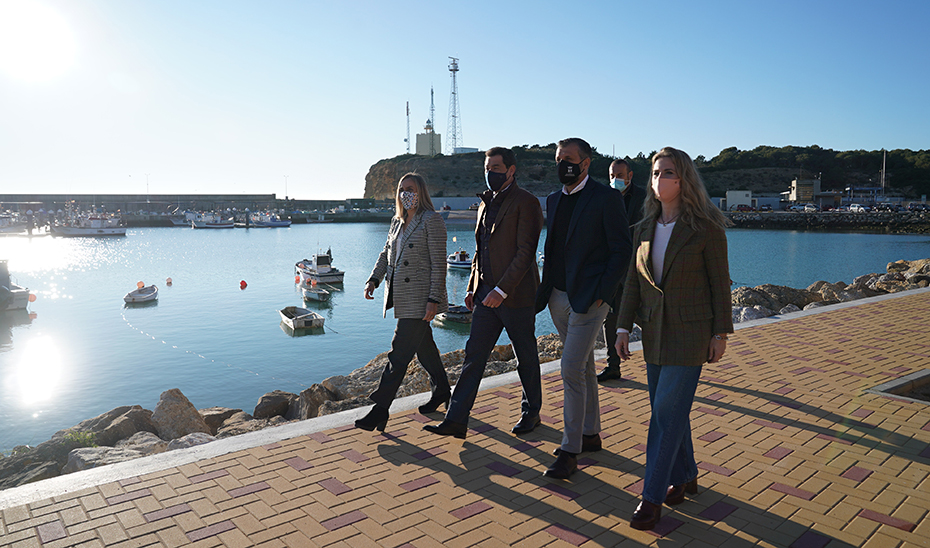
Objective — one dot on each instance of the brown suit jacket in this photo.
(514, 237)
(693, 303)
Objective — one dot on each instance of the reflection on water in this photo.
(38, 371)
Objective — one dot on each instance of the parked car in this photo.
(858, 208)
(765, 207)
(742, 207)
(917, 206)
(796, 207)
(810, 208)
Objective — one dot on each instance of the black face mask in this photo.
(495, 180)
(569, 172)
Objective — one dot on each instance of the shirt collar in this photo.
(577, 189)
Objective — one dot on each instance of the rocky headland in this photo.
(131, 432)
(903, 222)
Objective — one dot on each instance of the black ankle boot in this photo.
(376, 418)
(434, 402)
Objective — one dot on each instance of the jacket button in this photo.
(406, 263)
(410, 246)
(406, 279)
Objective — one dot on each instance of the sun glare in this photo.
(39, 371)
(36, 43)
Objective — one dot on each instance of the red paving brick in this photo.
(784, 454)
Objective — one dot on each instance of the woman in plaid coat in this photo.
(413, 262)
(678, 290)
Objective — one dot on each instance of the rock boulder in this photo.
(92, 457)
(308, 403)
(145, 443)
(175, 416)
(214, 416)
(190, 440)
(273, 404)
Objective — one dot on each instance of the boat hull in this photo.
(19, 298)
(204, 224)
(315, 294)
(300, 318)
(143, 295)
(77, 232)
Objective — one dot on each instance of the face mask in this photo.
(569, 172)
(619, 184)
(409, 199)
(495, 180)
(666, 189)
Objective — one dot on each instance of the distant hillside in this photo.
(762, 170)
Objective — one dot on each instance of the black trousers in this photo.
(410, 337)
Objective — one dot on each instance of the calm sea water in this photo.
(85, 353)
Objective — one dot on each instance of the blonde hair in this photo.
(696, 207)
(424, 203)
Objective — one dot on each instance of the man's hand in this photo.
(623, 346)
(470, 300)
(493, 300)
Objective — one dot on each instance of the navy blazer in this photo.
(598, 247)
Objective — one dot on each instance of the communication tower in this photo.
(431, 122)
(454, 125)
(429, 142)
(407, 140)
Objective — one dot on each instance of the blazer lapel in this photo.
(405, 235)
(680, 236)
(583, 200)
(644, 254)
(505, 206)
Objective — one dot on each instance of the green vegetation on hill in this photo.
(764, 169)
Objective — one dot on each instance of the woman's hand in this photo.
(716, 350)
(623, 346)
(431, 309)
(369, 290)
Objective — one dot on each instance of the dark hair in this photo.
(584, 149)
(621, 162)
(506, 155)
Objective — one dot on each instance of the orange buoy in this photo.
(32, 297)
(168, 281)
(140, 285)
(242, 284)
(297, 279)
(312, 282)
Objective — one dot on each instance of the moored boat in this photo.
(269, 220)
(210, 220)
(455, 313)
(92, 226)
(459, 259)
(12, 296)
(142, 294)
(314, 294)
(319, 269)
(300, 318)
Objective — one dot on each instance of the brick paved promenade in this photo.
(792, 449)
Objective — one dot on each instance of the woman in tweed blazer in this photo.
(678, 290)
(413, 262)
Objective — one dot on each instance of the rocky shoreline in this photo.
(131, 432)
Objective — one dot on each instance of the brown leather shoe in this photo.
(646, 516)
(563, 467)
(589, 444)
(676, 493)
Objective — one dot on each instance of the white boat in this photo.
(12, 296)
(319, 269)
(459, 259)
(142, 295)
(210, 220)
(456, 313)
(93, 226)
(314, 294)
(269, 220)
(300, 318)
(11, 225)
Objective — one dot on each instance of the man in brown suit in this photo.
(501, 293)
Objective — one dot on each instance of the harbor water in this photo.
(85, 352)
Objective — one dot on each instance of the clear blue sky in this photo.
(231, 96)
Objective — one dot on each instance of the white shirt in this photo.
(659, 246)
(577, 189)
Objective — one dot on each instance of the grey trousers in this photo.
(581, 411)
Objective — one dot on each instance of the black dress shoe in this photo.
(646, 516)
(448, 428)
(434, 402)
(526, 424)
(376, 418)
(609, 373)
(676, 493)
(563, 467)
(589, 444)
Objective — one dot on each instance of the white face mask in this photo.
(409, 199)
(619, 184)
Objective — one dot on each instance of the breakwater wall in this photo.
(885, 222)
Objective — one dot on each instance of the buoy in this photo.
(297, 279)
(242, 284)
(312, 283)
(140, 285)
(32, 297)
(168, 281)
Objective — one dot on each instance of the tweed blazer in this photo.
(513, 240)
(597, 249)
(679, 317)
(414, 265)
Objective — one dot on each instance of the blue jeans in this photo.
(669, 451)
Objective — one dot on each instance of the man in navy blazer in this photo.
(587, 250)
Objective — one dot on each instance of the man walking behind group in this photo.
(621, 178)
(501, 292)
(587, 250)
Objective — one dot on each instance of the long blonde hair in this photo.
(424, 203)
(696, 207)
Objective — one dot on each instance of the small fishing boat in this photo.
(319, 269)
(300, 318)
(314, 293)
(459, 259)
(456, 313)
(12, 296)
(93, 226)
(269, 220)
(142, 295)
(210, 220)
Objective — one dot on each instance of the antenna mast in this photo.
(430, 124)
(454, 138)
(407, 140)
